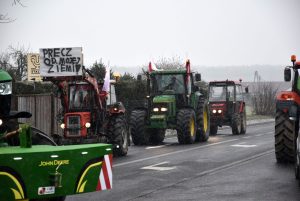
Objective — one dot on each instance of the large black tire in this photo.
(213, 130)
(118, 129)
(138, 128)
(297, 161)
(203, 121)
(186, 126)
(243, 122)
(285, 130)
(236, 124)
(157, 136)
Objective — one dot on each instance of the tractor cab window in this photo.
(221, 93)
(217, 93)
(168, 83)
(230, 93)
(239, 95)
(80, 97)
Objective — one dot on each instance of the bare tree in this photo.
(170, 63)
(4, 18)
(14, 61)
(263, 99)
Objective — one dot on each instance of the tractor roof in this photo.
(224, 82)
(4, 76)
(173, 71)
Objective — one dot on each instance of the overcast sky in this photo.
(131, 32)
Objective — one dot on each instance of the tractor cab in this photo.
(81, 97)
(227, 106)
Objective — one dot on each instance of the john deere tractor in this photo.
(173, 102)
(32, 167)
(287, 117)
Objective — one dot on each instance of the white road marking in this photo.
(247, 137)
(243, 145)
(155, 147)
(172, 153)
(157, 168)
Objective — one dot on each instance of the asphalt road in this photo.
(227, 167)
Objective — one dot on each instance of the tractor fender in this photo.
(242, 106)
(288, 101)
(117, 108)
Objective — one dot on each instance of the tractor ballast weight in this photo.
(287, 117)
(173, 102)
(32, 167)
(227, 106)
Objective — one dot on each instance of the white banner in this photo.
(61, 61)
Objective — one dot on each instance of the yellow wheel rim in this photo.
(192, 126)
(205, 120)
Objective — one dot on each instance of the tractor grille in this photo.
(73, 126)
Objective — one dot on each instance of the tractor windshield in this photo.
(221, 93)
(167, 84)
(80, 97)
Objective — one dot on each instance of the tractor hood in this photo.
(164, 99)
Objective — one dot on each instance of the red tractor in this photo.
(287, 119)
(86, 116)
(227, 106)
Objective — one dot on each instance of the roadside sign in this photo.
(61, 61)
(33, 67)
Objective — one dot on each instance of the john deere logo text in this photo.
(54, 162)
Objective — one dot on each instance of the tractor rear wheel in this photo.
(285, 130)
(157, 136)
(203, 121)
(297, 161)
(236, 124)
(243, 122)
(213, 130)
(138, 128)
(117, 128)
(186, 126)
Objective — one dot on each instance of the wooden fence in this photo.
(44, 109)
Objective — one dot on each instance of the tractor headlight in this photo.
(62, 126)
(163, 109)
(155, 109)
(219, 111)
(214, 111)
(1, 122)
(5, 88)
(87, 124)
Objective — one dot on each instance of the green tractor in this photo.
(174, 101)
(33, 167)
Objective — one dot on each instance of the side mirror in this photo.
(198, 77)
(287, 74)
(139, 77)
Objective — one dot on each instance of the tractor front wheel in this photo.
(203, 121)
(243, 122)
(236, 124)
(285, 130)
(186, 126)
(157, 136)
(118, 130)
(213, 130)
(138, 128)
